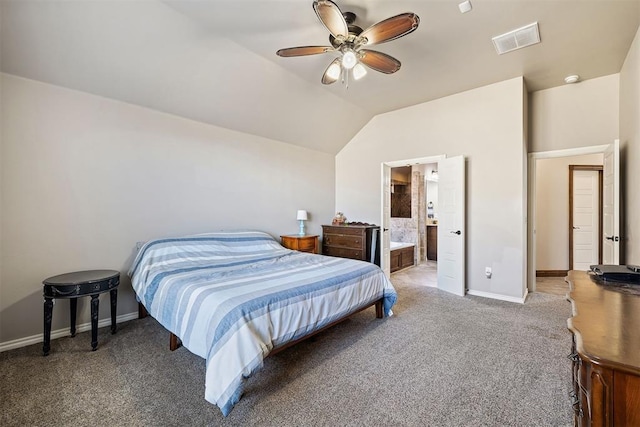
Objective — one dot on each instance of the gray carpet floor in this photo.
(441, 360)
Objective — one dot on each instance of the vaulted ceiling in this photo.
(214, 61)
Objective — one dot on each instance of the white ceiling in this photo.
(214, 61)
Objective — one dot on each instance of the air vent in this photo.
(517, 39)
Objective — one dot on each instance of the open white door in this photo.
(611, 204)
(385, 253)
(451, 221)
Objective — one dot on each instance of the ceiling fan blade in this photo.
(331, 17)
(303, 51)
(391, 28)
(332, 73)
(379, 61)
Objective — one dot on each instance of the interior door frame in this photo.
(531, 222)
(599, 169)
(384, 233)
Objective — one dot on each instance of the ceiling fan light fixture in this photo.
(349, 59)
(334, 71)
(359, 71)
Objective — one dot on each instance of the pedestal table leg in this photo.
(48, 314)
(73, 308)
(113, 294)
(94, 321)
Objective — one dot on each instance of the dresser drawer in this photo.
(344, 230)
(343, 252)
(307, 245)
(349, 241)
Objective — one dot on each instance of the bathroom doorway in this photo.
(446, 217)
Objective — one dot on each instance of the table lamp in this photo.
(302, 217)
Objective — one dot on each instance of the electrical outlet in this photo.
(487, 272)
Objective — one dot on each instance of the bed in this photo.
(234, 297)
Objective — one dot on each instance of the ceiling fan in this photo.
(350, 41)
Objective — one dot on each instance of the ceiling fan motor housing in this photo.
(354, 30)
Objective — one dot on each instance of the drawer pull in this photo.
(72, 291)
(573, 357)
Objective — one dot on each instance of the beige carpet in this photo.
(441, 360)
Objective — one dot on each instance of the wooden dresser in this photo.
(606, 351)
(349, 241)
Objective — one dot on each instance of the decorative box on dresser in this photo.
(306, 243)
(349, 241)
(606, 351)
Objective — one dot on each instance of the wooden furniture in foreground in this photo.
(306, 243)
(349, 241)
(73, 286)
(432, 242)
(175, 343)
(606, 351)
(401, 258)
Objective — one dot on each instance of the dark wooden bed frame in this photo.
(174, 341)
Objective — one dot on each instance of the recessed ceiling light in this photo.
(572, 79)
(465, 6)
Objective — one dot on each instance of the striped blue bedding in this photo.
(231, 297)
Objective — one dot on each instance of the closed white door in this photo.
(451, 225)
(611, 204)
(385, 250)
(585, 221)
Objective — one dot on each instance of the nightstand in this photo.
(73, 286)
(306, 243)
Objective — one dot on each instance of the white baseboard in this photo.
(498, 296)
(34, 339)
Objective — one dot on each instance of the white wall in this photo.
(630, 147)
(84, 178)
(552, 209)
(572, 116)
(486, 126)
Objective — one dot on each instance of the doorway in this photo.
(585, 216)
(414, 217)
(449, 223)
(542, 202)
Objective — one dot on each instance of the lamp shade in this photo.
(302, 215)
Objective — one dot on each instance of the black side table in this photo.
(73, 286)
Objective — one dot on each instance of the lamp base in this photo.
(301, 233)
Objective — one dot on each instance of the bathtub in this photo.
(402, 255)
(400, 245)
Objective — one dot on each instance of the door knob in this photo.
(458, 232)
(576, 228)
